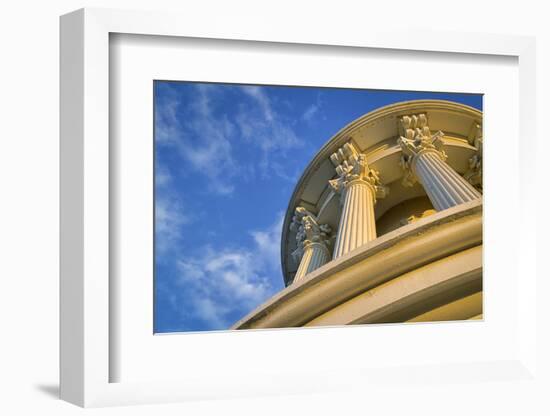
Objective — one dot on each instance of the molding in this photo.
(455, 275)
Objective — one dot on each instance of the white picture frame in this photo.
(86, 263)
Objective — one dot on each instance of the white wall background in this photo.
(29, 206)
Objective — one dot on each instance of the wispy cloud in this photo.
(261, 98)
(312, 110)
(266, 129)
(162, 176)
(223, 284)
(211, 312)
(268, 243)
(205, 135)
(170, 217)
(201, 138)
(170, 213)
(212, 141)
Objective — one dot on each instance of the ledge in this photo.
(414, 293)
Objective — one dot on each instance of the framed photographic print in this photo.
(240, 169)
(284, 213)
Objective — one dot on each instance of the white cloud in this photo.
(233, 275)
(259, 96)
(312, 110)
(210, 312)
(223, 282)
(264, 128)
(162, 176)
(169, 220)
(268, 243)
(167, 128)
(190, 272)
(203, 140)
(207, 139)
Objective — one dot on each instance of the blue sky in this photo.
(227, 158)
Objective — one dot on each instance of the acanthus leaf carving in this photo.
(308, 231)
(350, 165)
(475, 163)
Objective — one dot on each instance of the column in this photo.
(313, 241)
(358, 187)
(423, 160)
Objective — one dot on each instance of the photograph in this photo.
(301, 206)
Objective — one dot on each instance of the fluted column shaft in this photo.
(423, 160)
(314, 256)
(357, 221)
(359, 186)
(445, 187)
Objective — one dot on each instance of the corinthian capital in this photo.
(475, 163)
(414, 125)
(416, 138)
(308, 231)
(350, 165)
